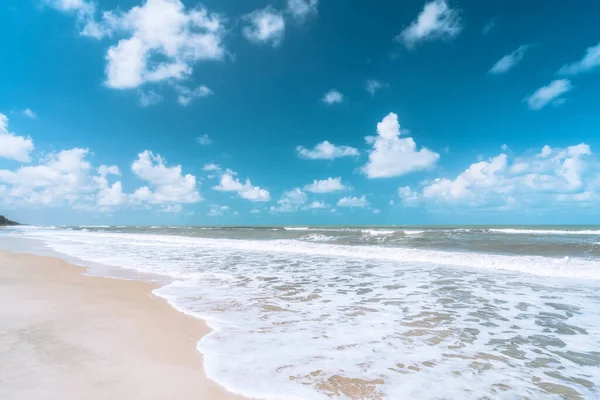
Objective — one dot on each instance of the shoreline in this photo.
(68, 336)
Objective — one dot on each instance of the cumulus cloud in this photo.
(29, 113)
(162, 40)
(61, 178)
(395, 156)
(67, 178)
(171, 208)
(164, 184)
(408, 197)
(549, 94)
(185, 95)
(360, 202)
(552, 174)
(204, 140)
(290, 201)
(264, 26)
(374, 85)
(325, 186)
(436, 21)
(111, 196)
(149, 98)
(105, 170)
(217, 211)
(85, 12)
(300, 9)
(590, 61)
(211, 167)
(228, 183)
(332, 97)
(326, 151)
(507, 62)
(12, 146)
(317, 205)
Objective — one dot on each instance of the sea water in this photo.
(370, 312)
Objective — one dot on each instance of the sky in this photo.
(299, 112)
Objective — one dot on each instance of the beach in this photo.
(309, 313)
(64, 335)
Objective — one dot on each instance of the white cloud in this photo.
(590, 61)
(360, 202)
(255, 211)
(61, 178)
(300, 9)
(211, 167)
(186, 95)
(317, 205)
(165, 184)
(67, 178)
(205, 140)
(110, 196)
(376, 211)
(216, 210)
(149, 98)
(326, 151)
(407, 196)
(12, 146)
(162, 41)
(171, 208)
(549, 93)
(325, 186)
(294, 196)
(332, 97)
(85, 12)
(507, 62)
(561, 174)
(374, 85)
(245, 190)
(29, 113)
(105, 170)
(395, 156)
(436, 21)
(265, 26)
(488, 27)
(290, 201)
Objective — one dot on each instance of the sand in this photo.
(67, 336)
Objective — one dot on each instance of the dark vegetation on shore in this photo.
(7, 222)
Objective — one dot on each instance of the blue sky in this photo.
(170, 112)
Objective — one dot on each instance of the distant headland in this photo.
(7, 222)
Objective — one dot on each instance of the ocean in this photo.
(403, 312)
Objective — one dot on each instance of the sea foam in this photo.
(297, 319)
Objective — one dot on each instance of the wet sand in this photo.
(72, 337)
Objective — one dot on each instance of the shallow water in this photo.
(407, 312)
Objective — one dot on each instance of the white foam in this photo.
(413, 232)
(296, 228)
(377, 232)
(547, 231)
(287, 309)
(537, 265)
(317, 237)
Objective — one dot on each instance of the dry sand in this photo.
(71, 337)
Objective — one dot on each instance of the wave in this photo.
(374, 232)
(317, 237)
(537, 265)
(525, 231)
(296, 228)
